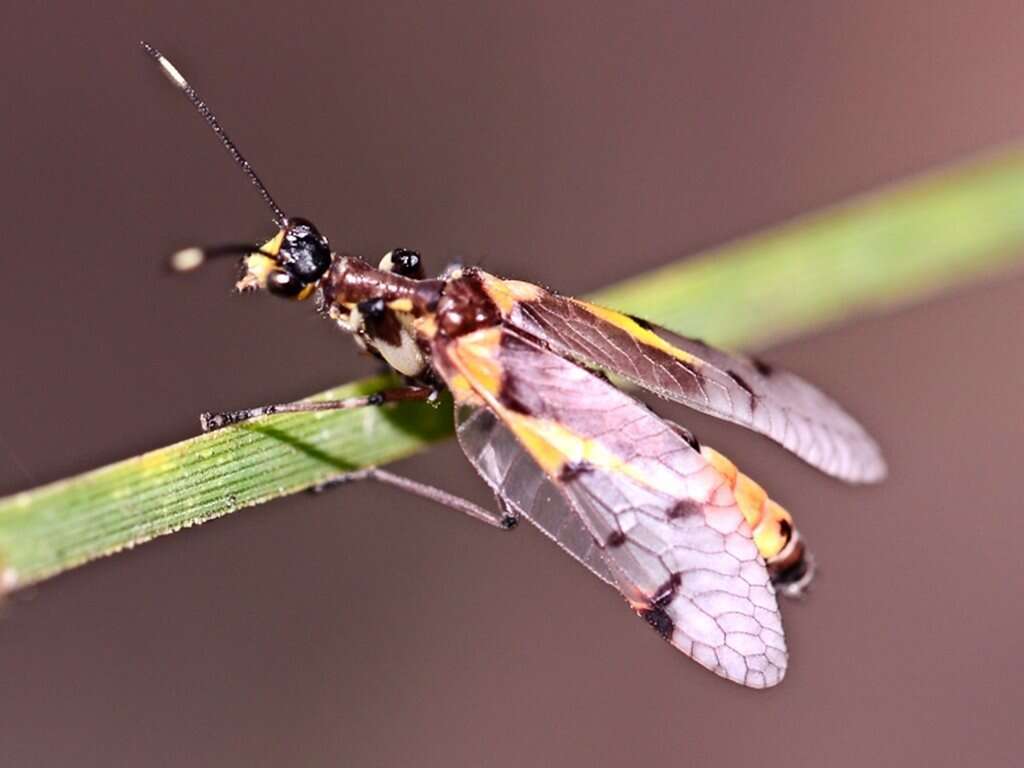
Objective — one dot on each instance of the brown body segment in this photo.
(351, 280)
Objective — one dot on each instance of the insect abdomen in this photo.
(790, 564)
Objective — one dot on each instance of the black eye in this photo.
(281, 283)
(407, 263)
(305, 253)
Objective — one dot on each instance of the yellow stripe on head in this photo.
(259, 265)
(257, 268)
(273, 245)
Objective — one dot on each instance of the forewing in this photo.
(510, 472)
(742, 390)
(663, 519)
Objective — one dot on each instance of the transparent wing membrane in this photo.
(576, 455)
(741, 390)
(510, 472)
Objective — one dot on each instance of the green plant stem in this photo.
(875, 252)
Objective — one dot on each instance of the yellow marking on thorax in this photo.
(505, 293)
(764, 516)
(637, 331)
(400, 305)
(425, 326)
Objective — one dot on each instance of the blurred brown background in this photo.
(573, 144)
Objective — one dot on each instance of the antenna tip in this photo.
(168, 69)
(187, 259)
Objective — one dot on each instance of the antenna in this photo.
(176, 77)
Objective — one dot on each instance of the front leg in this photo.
(214, 421)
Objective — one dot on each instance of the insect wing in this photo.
(515, 477)
(664, 520)
(747, 392)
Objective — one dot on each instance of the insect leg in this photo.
(503, 518)
(212, 421)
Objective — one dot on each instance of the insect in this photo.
(696, 547)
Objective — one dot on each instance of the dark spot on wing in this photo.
(641, 322)
(685, 508)
(762, 367)
(741, 382)
(616, 539)
(659, 619)
(511, 395)
(515, 394)
(573, 469)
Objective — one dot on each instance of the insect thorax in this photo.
(396, 316)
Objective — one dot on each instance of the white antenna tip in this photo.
(187, 259)
(172, 73)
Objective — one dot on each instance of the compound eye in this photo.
(402, 261)
(304, 252)
(281, 283)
